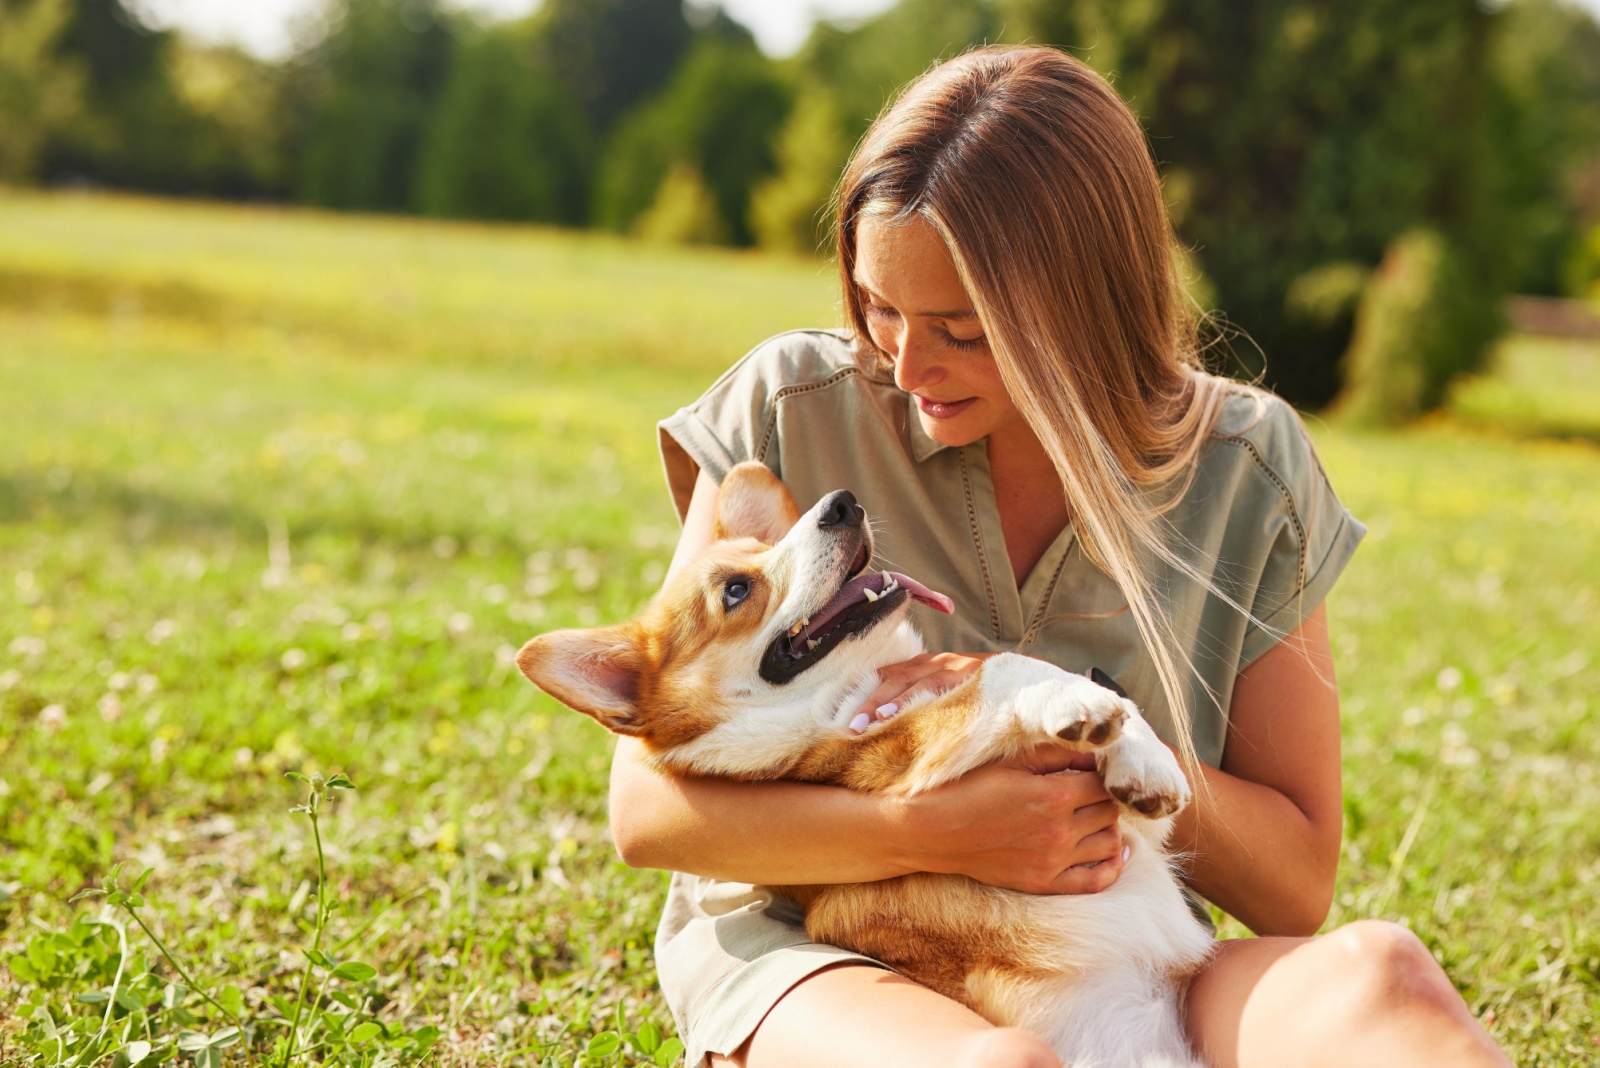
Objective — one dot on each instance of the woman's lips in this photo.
(943, 409)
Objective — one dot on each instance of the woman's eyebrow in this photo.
(966, 313)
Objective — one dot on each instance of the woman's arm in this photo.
(1264, 831)
(1001, 825)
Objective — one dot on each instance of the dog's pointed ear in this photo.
(595, 672)
(753, 503)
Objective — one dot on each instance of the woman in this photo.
(1020, 405)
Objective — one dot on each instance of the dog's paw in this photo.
(1087, 715)
(1145, 778)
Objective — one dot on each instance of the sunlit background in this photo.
(333, 335)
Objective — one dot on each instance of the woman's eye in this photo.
(966, 344)
(734, 592)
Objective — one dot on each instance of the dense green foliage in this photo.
(1299, 139)
(282, 490)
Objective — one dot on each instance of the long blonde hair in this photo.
(1039, 179)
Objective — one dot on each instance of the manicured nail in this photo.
(885, 711)
(860, 723)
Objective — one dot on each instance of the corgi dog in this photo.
(750, 664)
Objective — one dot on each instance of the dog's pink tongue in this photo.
(933, 599)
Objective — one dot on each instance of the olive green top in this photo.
(1260, 521)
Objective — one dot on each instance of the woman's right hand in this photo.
(1032, 824)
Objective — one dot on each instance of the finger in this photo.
(893, 693)
(1098, 848)
(1085, 880)
(1100, 816)
(1078, 788)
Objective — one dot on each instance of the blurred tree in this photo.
(864, 65)
(788, 211)
(684, 211)
(1299, 135)
(506, 140)
(612, 54)
(133, 129)
(367, 89)
(720, 114)
(1419, 325)
(1546, 65)
(40, 91)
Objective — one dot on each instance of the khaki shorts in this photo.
(725, 953)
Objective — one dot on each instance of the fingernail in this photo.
(859, 724)
(885, 711)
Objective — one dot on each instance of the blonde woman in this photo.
(1018, 400)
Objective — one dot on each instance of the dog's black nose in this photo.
(841, 510)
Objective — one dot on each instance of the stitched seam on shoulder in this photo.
(792, 391)
(1302, 548)
(983, 549)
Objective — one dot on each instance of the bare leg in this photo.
(1368, 993)
(858, 1015)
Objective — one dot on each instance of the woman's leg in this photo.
(856, 1014)
(1368, 993)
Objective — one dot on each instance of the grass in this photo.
(282, 491)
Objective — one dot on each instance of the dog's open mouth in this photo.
(860, 603)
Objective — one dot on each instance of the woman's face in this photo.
(919, 315)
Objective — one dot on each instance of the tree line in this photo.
(1331, 165)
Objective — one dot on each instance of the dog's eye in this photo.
(734, 592)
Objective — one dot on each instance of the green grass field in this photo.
(283, 491)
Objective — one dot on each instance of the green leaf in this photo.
(224, 1038)
(192, 1040)
(94, 997)
(425, 1036)
(210, 1057)
(321, 960)
(604, 1044)
(231, 998)
(340, 781)
(669, 1052)
(116, 897)
(365, 1032)
(296, 776)
(23, 969)
(137, 1051)
(622, 1023)
(138, 884)
(354, 971)
(81, 894)
(649, 1037)
(135, 901)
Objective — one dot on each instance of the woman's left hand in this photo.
(934, 672)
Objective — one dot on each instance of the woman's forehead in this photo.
(906, 263)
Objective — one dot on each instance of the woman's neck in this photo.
(1029, 497)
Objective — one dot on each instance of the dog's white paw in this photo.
(1145, 777)
(1073, 709)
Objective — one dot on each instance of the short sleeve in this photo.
(734, 420)
(1306, 538)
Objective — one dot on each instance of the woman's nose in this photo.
(917, 363)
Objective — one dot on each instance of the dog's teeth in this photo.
(870, 595)
(811, 644)
(888, 582)
(795, 630)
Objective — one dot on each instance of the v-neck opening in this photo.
(1012, 608)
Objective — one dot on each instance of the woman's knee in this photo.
(1385, 969)
(1006, 1047)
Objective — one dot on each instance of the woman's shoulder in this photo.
(795, 358)
(1259, 430)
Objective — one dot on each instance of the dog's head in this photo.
(742, 627)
